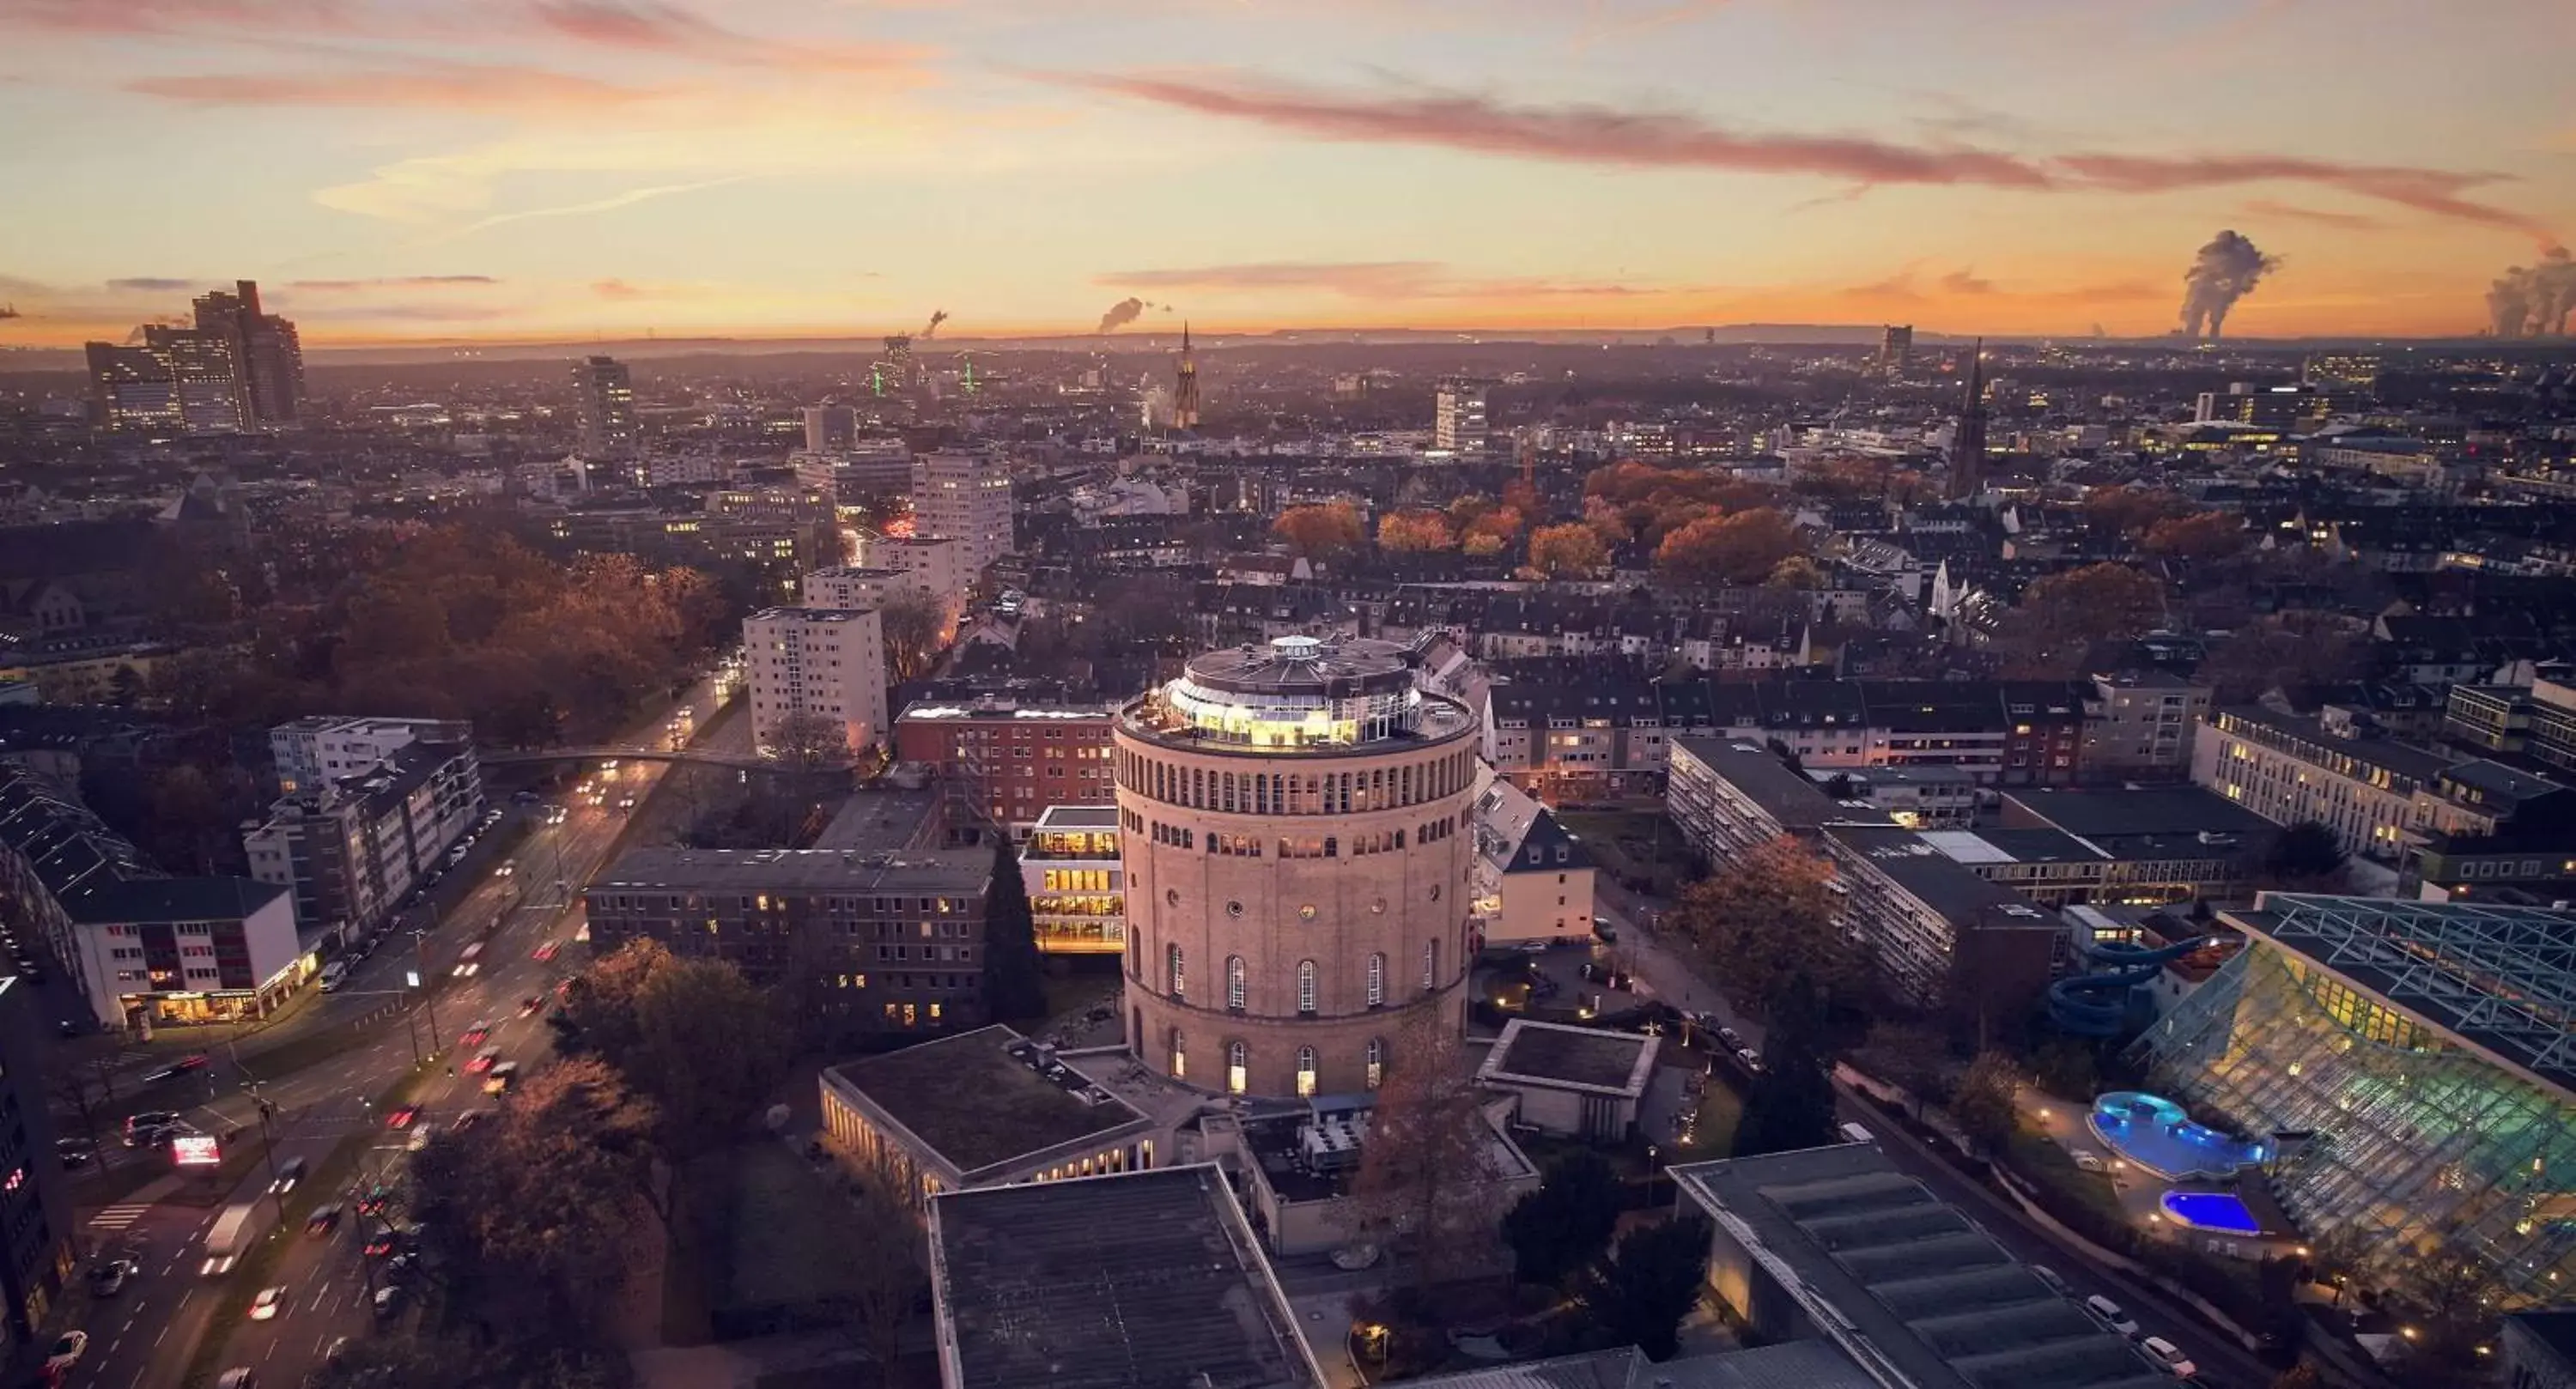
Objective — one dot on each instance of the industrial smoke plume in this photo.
(2534, 302)
(1124, 312)
(2226, 270)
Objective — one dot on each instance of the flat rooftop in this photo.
(1557, 1054)
(1145, 1280)
(976, 1104)
(962, 871)
(1915, 1281)
(1935, 879)
(877, 821)
(2183, 811)
(1078, 817)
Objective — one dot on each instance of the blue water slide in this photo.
(2097, 1004)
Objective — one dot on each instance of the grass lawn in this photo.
(1632, 844)
(1720, 1110)
(2039, 1159)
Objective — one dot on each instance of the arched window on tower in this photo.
(1238, 1068)
(1376, 980)
(1234, 985)
(1374, 1063)
(1305, 986)
(1180, 1057)
(1306, 1072)
(1173, 975)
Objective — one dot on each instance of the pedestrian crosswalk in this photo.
(119, 1217)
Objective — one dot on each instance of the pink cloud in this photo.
(457, 86)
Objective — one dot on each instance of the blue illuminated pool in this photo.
(2215, 1211)
(2154, 1133)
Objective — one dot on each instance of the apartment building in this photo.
(967, 498)
(1941, 934)
(850, 586)
(885, 942)
(349, 847)
(1533, 880)
(2381, 798)
(936, 563)
(1010, 760)
(311, 751)
(807, 664)
(38, 1225)
(2138, 726)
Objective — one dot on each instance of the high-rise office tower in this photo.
(965, 497)
(1185, 386)
(205, 377)
(132, 387)
(1968, 444)
(830, 428)
(1458, 422)
(1895, 349)
(1296, 832)
(604, 399)
(268, 356)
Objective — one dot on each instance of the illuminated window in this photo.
(1234, 987)
(1306, 1071)
(1376, 980)
(1180, 1057)
(1374, 1069)
(1305, 986)
(1238, 1065)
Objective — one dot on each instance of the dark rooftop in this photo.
(1937, 880)
(2111, 814)
(876, 821)
(172, 899)
(1761, 777)
(1929, 1294)
(1146, 1280)
(977, 1104)
(1570, 1055)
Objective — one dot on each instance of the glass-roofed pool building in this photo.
(2425, 1050)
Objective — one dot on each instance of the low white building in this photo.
(311, 751)
(1572, 1082)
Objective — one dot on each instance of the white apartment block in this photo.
(309, 752)
(938, 565)
(828, 662)
(965, 497)
(851, 586)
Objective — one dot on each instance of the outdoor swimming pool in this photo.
(2215, 1211)
(2154, 1133)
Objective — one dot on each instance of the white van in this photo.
(334, 975)
(1854, 1133)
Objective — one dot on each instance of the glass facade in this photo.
(2417, 1143)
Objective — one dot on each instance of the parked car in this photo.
(323, 1220)
(2086, 1159)
(2049, 1276)
(109, 1278)
(2168, 1357)
(2111, 1314)
(68, 1349)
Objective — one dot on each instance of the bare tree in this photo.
(887, 1254)
(1424, 1183)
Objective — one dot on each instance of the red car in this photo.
(401, 1118)
(483, 1061)
(549, 950)
(474, 1035)
(528, 1006)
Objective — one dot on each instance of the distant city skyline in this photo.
(543, 170)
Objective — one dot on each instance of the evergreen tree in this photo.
(1792, 1103)
(1013, 991)
(1641, 1294)
(1566, 1223)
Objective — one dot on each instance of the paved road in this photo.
(143, 1337)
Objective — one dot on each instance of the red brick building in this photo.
(1011, 761)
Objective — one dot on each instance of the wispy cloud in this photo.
(2349, 221)
(611, 203)
(1967, 282)
(615, 289)
(151, 284)
(390, 282)
(1603, 135)
(422, 82)
(651, 26)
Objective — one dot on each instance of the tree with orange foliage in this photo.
(2200, 537)
(1742, 548)
(1764, 920)
(2062, 614)
(1326, 528)
(1572, 550)
(1502, 524)
(1415, 531)
(2132, 511)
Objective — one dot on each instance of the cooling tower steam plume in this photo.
(1121, 314)
(2226, 270)
(2534, 302)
